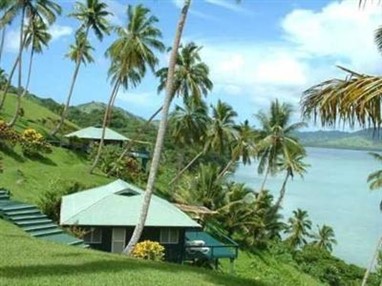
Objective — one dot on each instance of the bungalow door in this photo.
(118, 240)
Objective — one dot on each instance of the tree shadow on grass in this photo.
(7, 150)
(42, 159)
(116, 267)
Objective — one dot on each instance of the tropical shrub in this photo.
(33, 143)
(149, 250)
(7, 134)
(50, 200)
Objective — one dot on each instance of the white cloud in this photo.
(313, 42)
(59, 31)
(118, 11)
(227, 5)
(141, 99)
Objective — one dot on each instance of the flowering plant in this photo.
(149, 250)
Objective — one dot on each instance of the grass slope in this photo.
(28, 261)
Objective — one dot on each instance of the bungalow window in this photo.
(169, 236)
(94, 235)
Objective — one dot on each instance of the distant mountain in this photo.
(367, 139)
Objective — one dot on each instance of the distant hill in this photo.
(366, 139)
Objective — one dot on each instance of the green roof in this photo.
(119, 204)
(96, 133)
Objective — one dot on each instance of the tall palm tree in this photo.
(3, 7)
(191, 76)
(36, 38)
(93, 16)
(161, 130)
(291, 163)
(191, 79)
(45, 10)
(220, 132)
(243, 145)
(276, 138)
(324, 239)
(298, 228)
(131, 54)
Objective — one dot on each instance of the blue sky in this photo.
(257, 51)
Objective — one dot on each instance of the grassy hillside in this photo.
(35, 116)
(28, 261)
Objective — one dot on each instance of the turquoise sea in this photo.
(334, 191)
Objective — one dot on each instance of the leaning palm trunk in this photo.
(19, 97)
(226, 168)
(186, 168)
(66, 107)
(368, 270)
(265, 179)
(104, 124)
(128, 146)
(282, 192)
(2, 42)
(161, 131)
(21, 47)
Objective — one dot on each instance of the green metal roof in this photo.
(119, 204)
(96, 133)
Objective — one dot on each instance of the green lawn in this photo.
(28, 261)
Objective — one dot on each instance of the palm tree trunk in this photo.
(128, 146)
(104, 124)
(368, 270)
(2, 42)
(19, 97)
(161, 131)
(21, 48)
(66, 107)
(186, 168)
(282, 192)
(5, 92)
(226, 168)
(265, 179)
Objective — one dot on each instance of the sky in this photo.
(257, 50)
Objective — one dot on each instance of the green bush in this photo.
(7, 134)
(50, 200)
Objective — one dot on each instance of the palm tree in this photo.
(292, 164)
(221, 130)
(45, 10)
(191, 76)
(298, 228)
(3, 78)
(162, 128)
(131, 54)
(243, 145)
(36, 37)
(92, 16)
(375, 178)
(277, 139)
(324, 239)
(3, 6)
(79, 53)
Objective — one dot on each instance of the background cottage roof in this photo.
(96, 132)
(119, 204)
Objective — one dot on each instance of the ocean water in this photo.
(334, 191)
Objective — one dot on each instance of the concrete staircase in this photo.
(30, 219)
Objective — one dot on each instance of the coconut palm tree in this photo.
(220, 132)
(291, 163)
(45, 10)
(324, 239)
(191, 76)
(3, 7)
(162, 128)
(131, 54)
(92, 16)
(276, 138)
(298, 228)
(36, 38)
(243, 145)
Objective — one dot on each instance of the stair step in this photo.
(19, 208)
(31, 222)
(76, 242)
(28, 217)
(4, 197)
(46, 232)
(23, 212)
(35, 228)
